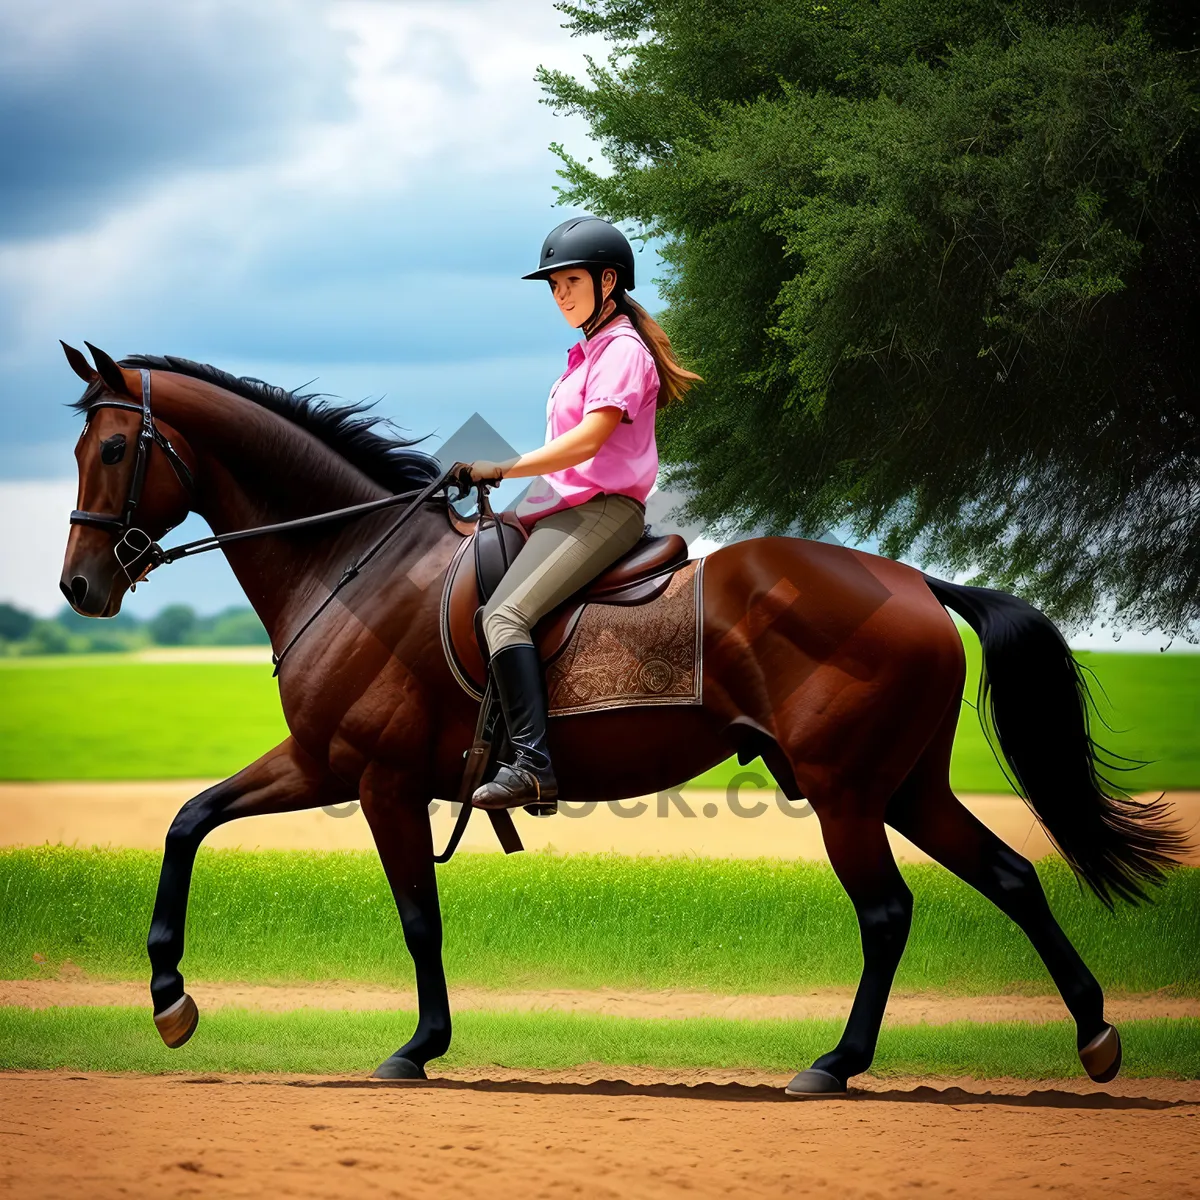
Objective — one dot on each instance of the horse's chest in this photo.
(349, 719)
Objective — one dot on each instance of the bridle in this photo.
(137, 543)
(134, 541)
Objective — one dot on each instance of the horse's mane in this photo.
(388, 459)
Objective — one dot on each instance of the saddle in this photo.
(489, 545)
(480, 563)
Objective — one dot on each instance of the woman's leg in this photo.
(565, 551)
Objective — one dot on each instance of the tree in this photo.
(172, 625)
(15, 623)
(935, 260)
(48, 637)
(237, 627)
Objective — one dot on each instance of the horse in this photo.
(843, 670)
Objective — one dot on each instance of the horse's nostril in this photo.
(79, 590)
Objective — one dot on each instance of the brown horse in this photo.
(842, 669)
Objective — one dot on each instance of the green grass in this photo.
(315, 1042)
(113, 719)
(538, 920)
(208, 720)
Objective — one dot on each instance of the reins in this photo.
(352, 571)
(160, 557)
(156, 556)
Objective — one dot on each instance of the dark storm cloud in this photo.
(96, 100)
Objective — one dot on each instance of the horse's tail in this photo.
(1034, 701)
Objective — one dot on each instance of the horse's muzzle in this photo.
(87, 597)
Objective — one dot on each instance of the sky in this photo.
(336, 192)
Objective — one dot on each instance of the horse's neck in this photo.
(256, 468)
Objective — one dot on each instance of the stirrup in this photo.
(538, 806)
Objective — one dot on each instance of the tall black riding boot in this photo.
(529, 778)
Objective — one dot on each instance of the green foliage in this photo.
(15, 624)
(233, 627)
(936, 262)
(543, 921)
(21, 633)
(173, 625)
(48, 637)
(317, 1043)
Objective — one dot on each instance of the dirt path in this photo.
(650, 1134)
(695, 821)
(904, 1009)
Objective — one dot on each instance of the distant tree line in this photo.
(23, 633)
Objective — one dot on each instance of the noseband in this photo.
(134, 541)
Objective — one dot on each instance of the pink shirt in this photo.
(612, 368)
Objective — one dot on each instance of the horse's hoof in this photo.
(1101, 1057)
(177, 1023)
(397, 1067)
(814, 1082)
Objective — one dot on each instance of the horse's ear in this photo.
(79, 364)
(109, 371)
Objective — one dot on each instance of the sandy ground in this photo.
(204, 654)
(903, 1008)
(138, 814)
(583, 1133)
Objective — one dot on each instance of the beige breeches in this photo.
(565, 550)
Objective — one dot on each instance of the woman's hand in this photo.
(485, 469)
(567, 450)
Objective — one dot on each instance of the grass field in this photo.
(122, 1039)
(579, 921)
(160, 720)
(207, 720)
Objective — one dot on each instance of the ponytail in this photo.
(674, 381)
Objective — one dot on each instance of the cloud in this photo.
(443, 165)
(396, 235)
(337, 189)
(99, 100)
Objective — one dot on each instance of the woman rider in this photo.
(597, 467)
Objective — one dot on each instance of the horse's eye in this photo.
(112, 449)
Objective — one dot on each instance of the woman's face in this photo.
(572, 288)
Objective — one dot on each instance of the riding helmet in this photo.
(586, 242)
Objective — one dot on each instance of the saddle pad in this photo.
(622, 655)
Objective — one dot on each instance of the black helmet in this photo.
(586, 242)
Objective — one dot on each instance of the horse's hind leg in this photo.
(859, 852)
(928, 813)
(283, 780)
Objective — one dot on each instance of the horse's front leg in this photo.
(398, 813)
(283, 780)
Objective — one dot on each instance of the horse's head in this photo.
(135, 482)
